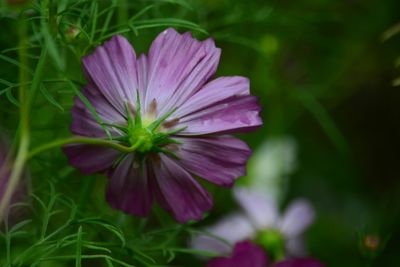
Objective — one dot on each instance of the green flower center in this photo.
(273, 241)
(148, 134)
(143, 137)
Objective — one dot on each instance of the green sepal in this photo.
(131, 123)
(124, 139)
(116, 126)
(138, 115)
(155, 124)
(118, 161)
(166, 151)
(175, 131)
(146, 139)
(165, 140)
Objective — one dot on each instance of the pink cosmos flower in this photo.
(166, 105)
(259, 220)
(248, 254)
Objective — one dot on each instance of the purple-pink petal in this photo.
(297, 218)
(224, 234)
(178, 65)
(219, 160)
(245, 254)
(299, 263)
(84, 124)
(178, 192)
(90, 158)
(259, 207)
(142, 76)
(217, 90)
(232, 115)
(129, 187)
(102, 106)
(112, 69)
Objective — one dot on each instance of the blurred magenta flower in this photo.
(167, 107)
(244, 254)
(259, 221)
(307, 262)
(248, 254)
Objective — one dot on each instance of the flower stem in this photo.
(85, 140)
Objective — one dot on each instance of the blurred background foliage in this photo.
(325, 71)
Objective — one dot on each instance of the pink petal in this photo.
(219, 160)
(112, 69)
(129, 187)
(260, 208)
(245, 254)
(178, 192)
(297, 218)
(231, 229)
(89, 158)
(178, 65)
(307, 262)
(102, 106)
(142, 76)
(84, 123)
(233, 115)
(213, 92)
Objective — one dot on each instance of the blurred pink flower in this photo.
(248, 254)
(244, 254)
(259, 220)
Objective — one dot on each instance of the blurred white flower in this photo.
(270, 166)
(259, 220)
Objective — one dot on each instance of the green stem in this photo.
(86, 192)
(85, 140)
(37, 78)
(122, 14)
(8, 248)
